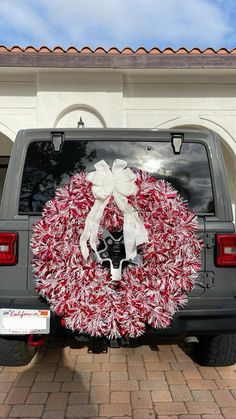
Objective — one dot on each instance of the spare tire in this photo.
(14, 350)
(216, 350)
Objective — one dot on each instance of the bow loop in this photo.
(119, 183)
(102, 180)
(123, 178)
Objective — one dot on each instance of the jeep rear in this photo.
(43, 160)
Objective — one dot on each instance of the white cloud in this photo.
(119, 22)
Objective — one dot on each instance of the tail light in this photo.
(8, 248)
(226, 249)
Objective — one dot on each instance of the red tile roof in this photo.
(100, 50)
(114, 58)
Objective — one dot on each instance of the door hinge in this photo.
(201, 280)
(177, 142)
(209, 240)
(57, 141)
(210, 279)
(206, 280)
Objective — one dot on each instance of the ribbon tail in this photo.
(141, 233)
(91, 228)
(134, 234)
(129, 236)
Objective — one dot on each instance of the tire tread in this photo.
(15, 351)
(217, 351)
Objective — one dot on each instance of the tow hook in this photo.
(36, 340)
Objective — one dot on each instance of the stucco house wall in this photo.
(154, 98)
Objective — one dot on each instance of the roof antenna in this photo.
(80, 123)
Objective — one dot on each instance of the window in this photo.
(46, 170)
(3, 170)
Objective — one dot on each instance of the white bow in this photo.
(119, 183)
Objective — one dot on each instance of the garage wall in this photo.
(146, 99)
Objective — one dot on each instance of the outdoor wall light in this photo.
(80, 123)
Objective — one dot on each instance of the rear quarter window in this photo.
(45, 170)
(4, 160)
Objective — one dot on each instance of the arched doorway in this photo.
(5, 151)
(228, 148)
(70, 117)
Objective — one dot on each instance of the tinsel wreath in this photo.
(82, 293)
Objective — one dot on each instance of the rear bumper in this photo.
(199, 322)
(201, 316)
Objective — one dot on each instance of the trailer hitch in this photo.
(36, 340)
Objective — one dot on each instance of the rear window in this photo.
(45, 170)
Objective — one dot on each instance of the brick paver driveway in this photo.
(140, 383)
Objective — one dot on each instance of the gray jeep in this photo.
(44, 159)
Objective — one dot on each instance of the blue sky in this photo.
(120, 23)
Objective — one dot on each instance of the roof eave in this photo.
(117, 61)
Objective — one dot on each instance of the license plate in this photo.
(24, 322)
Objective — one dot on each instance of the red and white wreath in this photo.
(162, 252)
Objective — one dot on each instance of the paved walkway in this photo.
(140, 383)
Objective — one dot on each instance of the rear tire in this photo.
(14, 350)
(216, 351)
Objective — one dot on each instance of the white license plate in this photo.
(24, 322)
